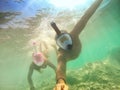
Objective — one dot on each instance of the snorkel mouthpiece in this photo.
(69, 47)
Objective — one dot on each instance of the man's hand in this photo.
(61, 85)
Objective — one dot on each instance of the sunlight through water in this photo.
(69, 4)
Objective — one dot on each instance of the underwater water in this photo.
(96, 68)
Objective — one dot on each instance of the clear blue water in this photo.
(99, 38)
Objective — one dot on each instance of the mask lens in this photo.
(64, 41)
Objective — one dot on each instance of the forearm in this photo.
(84, 19)
(29, 77)
(51, 65)
(61, 70)
(91, 11)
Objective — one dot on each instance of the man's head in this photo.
(63, 39)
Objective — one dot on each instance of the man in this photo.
(70, 45)
(40, 61)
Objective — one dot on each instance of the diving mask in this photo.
(63, 39)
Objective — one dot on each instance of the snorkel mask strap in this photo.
(54, 26)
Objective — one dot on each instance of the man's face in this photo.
(63, 39)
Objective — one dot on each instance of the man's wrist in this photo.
(61, 80)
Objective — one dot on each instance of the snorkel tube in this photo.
(54, 26)
(63, 39)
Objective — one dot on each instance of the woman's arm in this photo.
(29, 77)
(84, 19)
(44, 44)
(51, 65)
(55, 48)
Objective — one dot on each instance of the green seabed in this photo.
(97, 67)
(102, 75)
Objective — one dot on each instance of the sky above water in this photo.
(29, 7)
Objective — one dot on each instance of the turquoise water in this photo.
(101, 35)
(100, 39)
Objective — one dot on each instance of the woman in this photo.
(40, 61)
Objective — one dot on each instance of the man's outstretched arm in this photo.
(84, 19)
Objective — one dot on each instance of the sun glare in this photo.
(68, 3)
